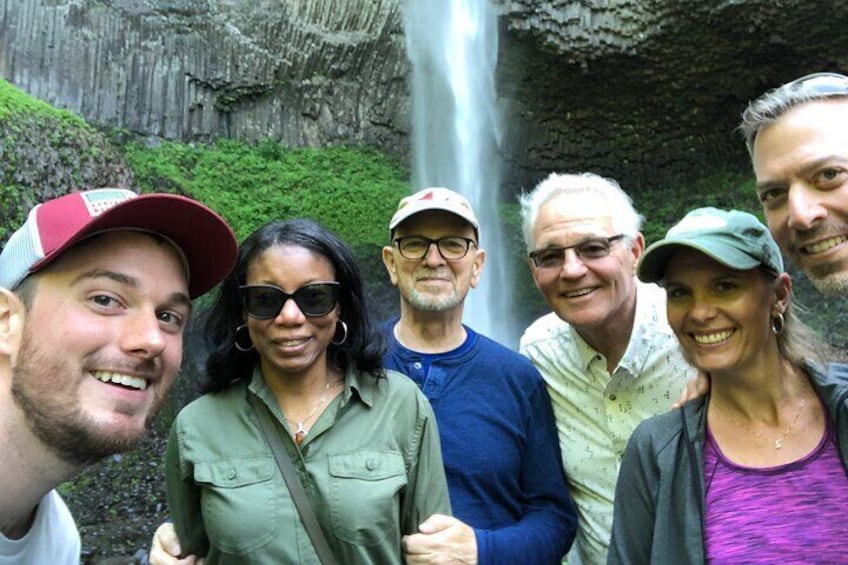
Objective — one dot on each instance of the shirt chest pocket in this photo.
(240, 503)
(366, 489)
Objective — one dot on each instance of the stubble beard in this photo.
(830, 278)
(55, 416)
(832, 284)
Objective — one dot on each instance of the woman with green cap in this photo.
(754, 472)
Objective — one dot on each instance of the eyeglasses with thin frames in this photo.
(587, 250)
(266, 301)
(450, 248)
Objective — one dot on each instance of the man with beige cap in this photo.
(499, 442)
(95, 293)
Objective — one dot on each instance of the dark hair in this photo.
(363, 347)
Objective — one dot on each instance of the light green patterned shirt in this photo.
(596, 412)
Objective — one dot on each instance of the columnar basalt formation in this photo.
(645, 90)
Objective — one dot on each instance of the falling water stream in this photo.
(453, 46)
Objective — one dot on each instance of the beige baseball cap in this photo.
(435, 198)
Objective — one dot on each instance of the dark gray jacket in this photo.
(659, 497)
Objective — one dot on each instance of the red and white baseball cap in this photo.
(207, 243)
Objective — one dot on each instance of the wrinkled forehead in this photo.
(586, 214)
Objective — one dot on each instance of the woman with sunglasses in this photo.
(756, 471)
(290, 329)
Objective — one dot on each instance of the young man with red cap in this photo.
(95, 292)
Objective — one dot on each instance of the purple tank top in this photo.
(792, 513)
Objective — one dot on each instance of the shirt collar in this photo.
(649, 318)
(357, 385)
(648, 323)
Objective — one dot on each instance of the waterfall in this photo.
(453, 48)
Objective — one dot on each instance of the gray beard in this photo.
(427, 303)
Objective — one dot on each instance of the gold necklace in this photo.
(778, 442)
(300, 432)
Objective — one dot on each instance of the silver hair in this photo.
(625, 218)
(766, 109)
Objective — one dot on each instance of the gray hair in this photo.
(625, 218)
(25, 290)
(766, 109)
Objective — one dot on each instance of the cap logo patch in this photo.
(98, 201)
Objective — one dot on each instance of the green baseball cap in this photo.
(733, 238)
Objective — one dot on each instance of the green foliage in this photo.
(352, 190)
(664, 206)
(527, 302)
(45, 152)
(15, 103)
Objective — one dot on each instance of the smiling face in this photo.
(586, 293)
(291, 345)
(722, 316)
(801, 165)
(101, 344)
(433, 283)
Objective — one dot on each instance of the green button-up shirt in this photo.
(371, 466)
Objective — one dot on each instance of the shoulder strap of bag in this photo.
(298, 494)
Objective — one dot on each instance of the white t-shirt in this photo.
(53, 537)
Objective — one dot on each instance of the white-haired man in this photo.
(606, 352)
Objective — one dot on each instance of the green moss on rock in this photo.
(46, 152)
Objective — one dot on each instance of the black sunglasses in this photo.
(265, 301)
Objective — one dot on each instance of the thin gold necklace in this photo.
(300, 432)
(778, 441)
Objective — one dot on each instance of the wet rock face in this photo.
(645, 90)
(308, 73)
(650, 91)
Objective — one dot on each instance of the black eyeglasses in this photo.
(265, 301)
(450, 248)
(587, 250)
(822, 84)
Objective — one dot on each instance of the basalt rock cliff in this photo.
(645, 90)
